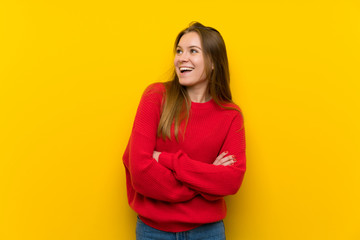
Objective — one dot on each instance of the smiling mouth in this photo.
(185, 69)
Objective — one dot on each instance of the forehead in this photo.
(190, 39)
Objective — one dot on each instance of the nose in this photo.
(184, 57)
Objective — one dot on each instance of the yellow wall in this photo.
(72, 73)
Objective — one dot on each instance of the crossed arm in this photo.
(174, 177)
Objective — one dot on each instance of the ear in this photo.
(212, 66)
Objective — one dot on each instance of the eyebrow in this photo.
(192, 46)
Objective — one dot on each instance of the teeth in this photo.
(185, 69)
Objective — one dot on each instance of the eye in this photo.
(193, 51)
(178, 51)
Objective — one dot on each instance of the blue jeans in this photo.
(210, 231)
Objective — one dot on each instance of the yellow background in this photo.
(71, 76)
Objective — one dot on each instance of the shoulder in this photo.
(153, 96)
(233, 111)
(232, 105)
(154, 92)
(157, 88)
(232, 108)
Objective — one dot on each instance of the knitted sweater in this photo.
(183, 190)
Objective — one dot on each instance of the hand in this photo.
(156, 155)
(224, 160)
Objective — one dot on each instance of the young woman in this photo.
(187, 146)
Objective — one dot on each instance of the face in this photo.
(189, 61)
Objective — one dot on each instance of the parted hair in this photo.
(176, 104)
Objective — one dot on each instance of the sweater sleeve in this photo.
(213, 181)
(148, 177)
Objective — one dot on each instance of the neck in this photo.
(198, 95)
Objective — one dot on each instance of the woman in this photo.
(187, 146)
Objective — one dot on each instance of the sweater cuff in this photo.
(166, 160)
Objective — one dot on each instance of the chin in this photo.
(184, 82)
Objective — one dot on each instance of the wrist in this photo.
(156, 155)
(166, 159)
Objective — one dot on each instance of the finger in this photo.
(226, 159)
(221, 155)
(223, 160)
(229, 163)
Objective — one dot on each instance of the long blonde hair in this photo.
(176, 105)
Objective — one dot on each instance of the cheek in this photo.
(176, 66)
(199, 62)
(176, 60)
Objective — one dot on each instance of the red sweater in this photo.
(184, 189)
